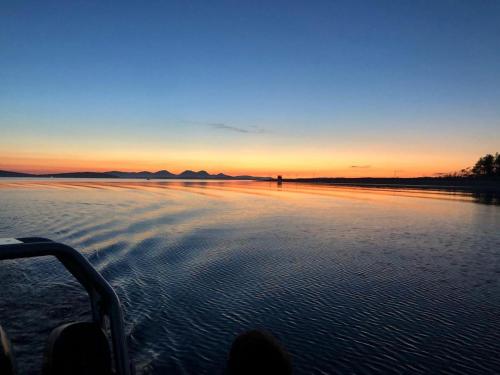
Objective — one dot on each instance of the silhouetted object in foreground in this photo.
(77, 348)
(7, 364)
(82, 348)
(257, 352)
(280, 180)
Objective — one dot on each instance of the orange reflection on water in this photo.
(226, 188)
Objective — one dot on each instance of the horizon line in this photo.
(48, 174)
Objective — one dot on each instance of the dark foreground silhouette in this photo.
(82, 349)
(257, 352)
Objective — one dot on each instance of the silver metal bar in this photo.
(93, 282)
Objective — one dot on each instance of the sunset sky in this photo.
(299, 88)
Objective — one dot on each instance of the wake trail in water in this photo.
(350, 280)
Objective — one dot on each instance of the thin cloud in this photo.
(228, 127)
(361, 166)
(221, 126)
(256, 129)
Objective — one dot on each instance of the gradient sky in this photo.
(309, 88)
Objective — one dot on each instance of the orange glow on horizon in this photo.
(287, 164)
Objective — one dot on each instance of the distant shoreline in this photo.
(438, 183)
(144, 175)
(471, 184)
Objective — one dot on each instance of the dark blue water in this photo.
(350, 280)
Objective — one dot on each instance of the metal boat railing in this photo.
(104, 301)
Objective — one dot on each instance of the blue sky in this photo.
(339, 82)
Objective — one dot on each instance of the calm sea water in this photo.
(350, 280)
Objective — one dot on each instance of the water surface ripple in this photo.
(361, 281)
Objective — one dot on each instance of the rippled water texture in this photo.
(350, 280)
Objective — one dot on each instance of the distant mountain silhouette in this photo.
(143, 174)
(78, 175)
(199, 174)
(15, 174)
(163, 174)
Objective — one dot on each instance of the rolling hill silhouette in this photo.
(163, 174)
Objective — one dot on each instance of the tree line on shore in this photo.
(488, 166)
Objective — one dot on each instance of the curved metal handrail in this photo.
(103, 298)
